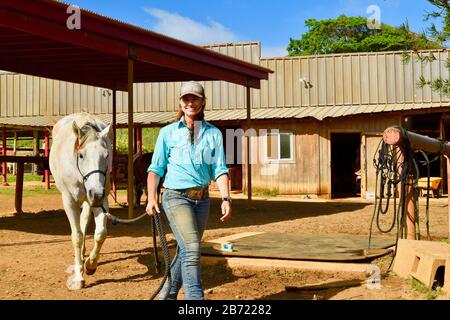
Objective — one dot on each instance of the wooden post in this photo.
(46, 154)
(392, 136)
(4, 174)
(139, 139)
(14, 166)
(35, 149)
(249, 166)
(130, 138)
(19, 187)
(410, 209)
(448, 192)
(114, 127)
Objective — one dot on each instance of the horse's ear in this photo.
(76, 130)
(107, 132)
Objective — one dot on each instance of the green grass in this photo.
(430, 294)
(265, 192)
(21, 143)
(29, 192)
(26, 177)
(446, 241)
(149, 136)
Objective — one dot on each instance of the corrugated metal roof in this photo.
(162, 118)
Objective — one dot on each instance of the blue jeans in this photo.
(187, 219)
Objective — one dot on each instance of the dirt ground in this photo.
(36, 250)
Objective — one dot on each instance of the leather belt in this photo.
(193, 193)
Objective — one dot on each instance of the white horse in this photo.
(80, 162)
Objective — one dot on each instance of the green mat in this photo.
(327, 247)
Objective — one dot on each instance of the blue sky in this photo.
(272, 23)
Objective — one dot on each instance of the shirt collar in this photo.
(181, 123)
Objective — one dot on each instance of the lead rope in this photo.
(166, 255)
(157, 221)
(162, 238)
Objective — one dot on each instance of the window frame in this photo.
(278, 133)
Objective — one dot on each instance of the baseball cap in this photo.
(192, 87)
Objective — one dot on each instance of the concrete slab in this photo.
(271, 264)
(234, 237)
(305, 247)
(260, 263)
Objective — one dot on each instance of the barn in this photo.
(315, 123)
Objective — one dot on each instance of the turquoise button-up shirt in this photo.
(188, 165)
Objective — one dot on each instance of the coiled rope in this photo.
(392, 170)
(156, 218)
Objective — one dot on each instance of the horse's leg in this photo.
(99, 237)
(84, 222)
(75, 281)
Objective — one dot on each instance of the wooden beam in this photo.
(60, 33)
(448, 184)
(130, 138)
(114, 127)
(35, 148)
(46, 154)
(19, 187)
(249, 166)
(24, 159)
(4, 175)
(392, 136)
(139, 139)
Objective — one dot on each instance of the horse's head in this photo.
(94, 158)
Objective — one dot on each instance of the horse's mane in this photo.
(88, 132)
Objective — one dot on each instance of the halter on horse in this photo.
(82, 143)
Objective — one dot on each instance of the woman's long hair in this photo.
(200, 116)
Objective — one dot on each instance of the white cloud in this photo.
(186, 29)
(273, 51)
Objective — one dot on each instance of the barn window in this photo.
(280, 145)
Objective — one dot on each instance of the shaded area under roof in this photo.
(163, 118)
(35, 40)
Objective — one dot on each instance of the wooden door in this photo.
(369, 147)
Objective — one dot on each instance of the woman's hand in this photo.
(152, 207)
(226, 211)
(152, 189)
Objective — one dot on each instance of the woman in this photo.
(189, 154)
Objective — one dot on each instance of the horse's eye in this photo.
(81, 156)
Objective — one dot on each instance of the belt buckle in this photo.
(195, 194)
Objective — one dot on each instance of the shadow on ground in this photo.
(260, 213)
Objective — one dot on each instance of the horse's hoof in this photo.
(70, 269)
(74, 284)
(90, 272)
(88, 268)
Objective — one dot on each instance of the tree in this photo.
(352, 34)
(440, 36)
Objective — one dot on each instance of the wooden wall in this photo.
(310, 172)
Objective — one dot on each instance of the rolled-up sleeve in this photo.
(160, 155)
(219, 164)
